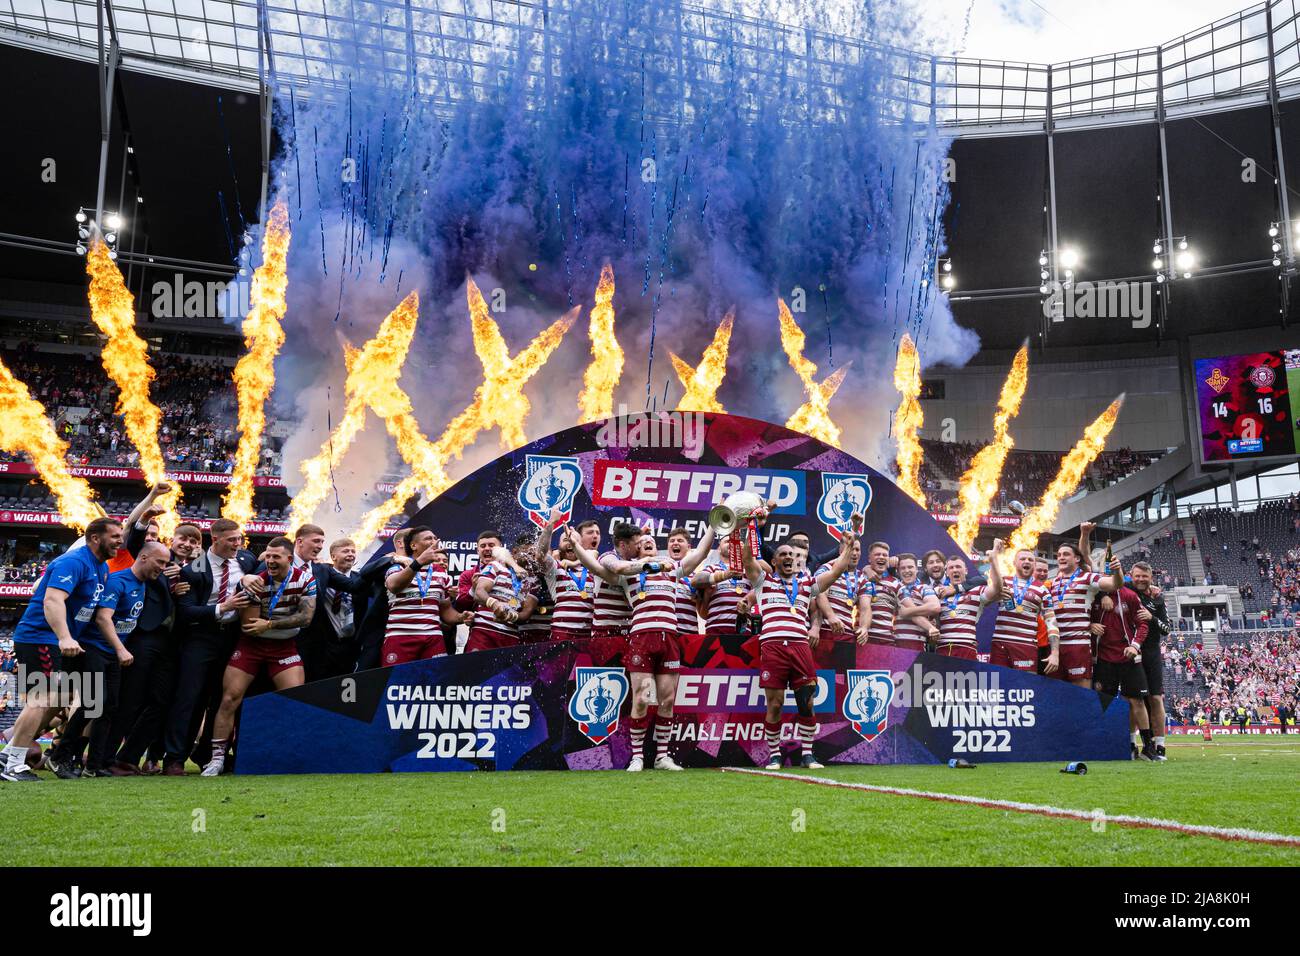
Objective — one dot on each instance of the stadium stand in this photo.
(1255, 551)
(1242, 678)
(1026, 474)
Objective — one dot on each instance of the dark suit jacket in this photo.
(327, 576)
(372, 624)
(194, 616)
(159, 609)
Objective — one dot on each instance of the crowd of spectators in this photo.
(196, 398)
(1246, 678)
(1025, 475)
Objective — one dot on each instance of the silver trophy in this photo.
(736, 517)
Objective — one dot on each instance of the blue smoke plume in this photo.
(713, 161)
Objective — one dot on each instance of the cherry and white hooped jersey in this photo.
(1072, 597)
(299, 583)
(416, 609)
(509, 587)
(574, 590)
(724, 601)
(784, 619)
(960, 616)
(688, 615)
(612, 609)
(1018, 623)
(912, 628)
(653, 595)
(842, 595)
(883, 595)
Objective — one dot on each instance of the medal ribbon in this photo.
(276, 599)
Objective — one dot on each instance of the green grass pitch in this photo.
(667, 819)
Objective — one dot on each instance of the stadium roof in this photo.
(196, 149)
(1220, 65)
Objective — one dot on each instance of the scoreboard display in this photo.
(1245, 405)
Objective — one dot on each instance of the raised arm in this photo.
(588, 559)
(399, 581)
(995, 570)
(693, 558)
(543, 547)
(1085, 544)
(840, 565)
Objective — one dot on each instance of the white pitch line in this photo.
(1087, 816)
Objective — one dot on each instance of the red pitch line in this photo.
(1149, 823)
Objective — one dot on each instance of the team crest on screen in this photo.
(549, 482)
(1261, 376)
(866, 702)
(596, 700)
(843, 496)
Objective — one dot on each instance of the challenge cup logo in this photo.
(843, 496)
(549, 483)
(596, 701)
(867, 700)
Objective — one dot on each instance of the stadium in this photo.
(579, 387)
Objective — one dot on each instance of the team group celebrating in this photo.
(151, 662)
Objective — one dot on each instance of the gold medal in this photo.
(640, 597)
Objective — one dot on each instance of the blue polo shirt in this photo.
(82, 577)
(124, 593)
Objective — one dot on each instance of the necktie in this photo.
(225, 581)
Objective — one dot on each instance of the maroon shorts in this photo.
(905, 642)
(1020, 657)
(251, 654)
(560, 634)
(486, 639)
(404, 648)
(653, 652)
(964, 651)
(1075, 662)
(879, 641)
(785, 664)
(607, 644)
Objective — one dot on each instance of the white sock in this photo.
(1158, 741)
(16, 757)
(1137, 738)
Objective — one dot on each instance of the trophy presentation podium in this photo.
(560, 705)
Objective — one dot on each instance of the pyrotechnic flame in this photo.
(498, 402)
(596, 400)
(980, 482)
(813, 417)
(701, 383)
(25, 428)
(907, 420)
(1085, 451)
(372, 371)
(255, 371)
(126, 360)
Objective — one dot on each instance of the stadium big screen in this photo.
(1245, 405)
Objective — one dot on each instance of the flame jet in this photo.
(980, 482)
(372, 371)
(813, 417)
(498, 402)
(1039, 518)
(701, 382)
(255, 371)
(596, 400)
(24, 427)
(125, 357)
(908, 419)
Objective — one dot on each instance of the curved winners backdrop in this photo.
(554, 706)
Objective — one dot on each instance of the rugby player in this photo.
(960, 611)
(917, 605)
(654, 653)
(832, 642)
(877, 598)
(1022, 602)
(46, 637)
(785, 596)
(419, 602)
(266, 641)
(571, 585)
(1074, 589)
